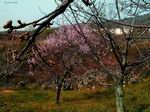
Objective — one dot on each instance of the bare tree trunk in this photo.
(7, 81)
(59, 84)
(58, 93)
(119, 96)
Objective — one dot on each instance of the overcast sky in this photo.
(25, 10)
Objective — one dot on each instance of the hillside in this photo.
(140, 19)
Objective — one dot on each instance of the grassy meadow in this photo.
(137, 99)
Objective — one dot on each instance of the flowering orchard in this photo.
(70, 52)
(73, 40)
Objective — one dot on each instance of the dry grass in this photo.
(136, 100)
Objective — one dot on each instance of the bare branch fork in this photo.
(43, 24)
(116, 22)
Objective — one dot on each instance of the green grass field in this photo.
(137, 99)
